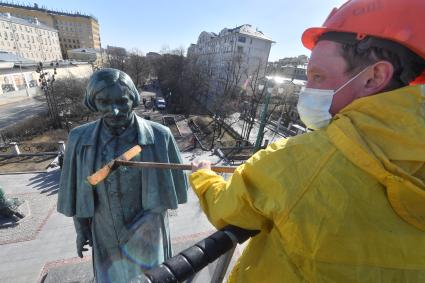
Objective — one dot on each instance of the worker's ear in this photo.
(378, 77)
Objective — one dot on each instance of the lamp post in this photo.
(269, 88)
(280, 91)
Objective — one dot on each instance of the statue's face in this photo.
(115, 105)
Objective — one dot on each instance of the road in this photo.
(20, 110)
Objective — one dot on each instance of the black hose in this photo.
(192, 260)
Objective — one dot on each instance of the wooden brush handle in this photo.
(103, 172)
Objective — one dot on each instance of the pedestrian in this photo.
(125, 217)
(345, 202)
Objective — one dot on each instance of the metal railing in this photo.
(187, 263)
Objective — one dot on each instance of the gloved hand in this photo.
(84, 236)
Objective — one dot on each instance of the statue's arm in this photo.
(68, 180)
(179, 176)
(84, 235)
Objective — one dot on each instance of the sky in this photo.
(157, 24)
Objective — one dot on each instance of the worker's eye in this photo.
(316, 77)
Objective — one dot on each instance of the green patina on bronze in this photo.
(125, 219)
(9, 208)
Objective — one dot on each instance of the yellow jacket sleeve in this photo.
(229, 202)
(265, 189)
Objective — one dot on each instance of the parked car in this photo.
(160, 103)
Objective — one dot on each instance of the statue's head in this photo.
(112, 93)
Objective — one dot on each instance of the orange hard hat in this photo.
(402, 21)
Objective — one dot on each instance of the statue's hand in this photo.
(12, 213)
(84, 236)
(83, 239)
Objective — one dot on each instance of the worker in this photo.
(345, 202)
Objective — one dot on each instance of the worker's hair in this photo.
(105, 78)
(362, 53)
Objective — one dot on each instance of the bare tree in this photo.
(169, 71)
(116, 57)
(256, 97)
(137, 67)
(70, 94)
(195, 83)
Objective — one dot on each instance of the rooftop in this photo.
(44, 9)
(251, 31)
(10, 57)
(245, 29)
(86, 50)
(7, 17)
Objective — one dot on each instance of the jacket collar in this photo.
(144, 132)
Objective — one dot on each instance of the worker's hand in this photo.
(203, 164)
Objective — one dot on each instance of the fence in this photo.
(14, 149)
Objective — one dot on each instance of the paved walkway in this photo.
(54, 242)
(7, 100)
(20, 110)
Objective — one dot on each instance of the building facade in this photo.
(75, 30)
(232, 56)
(298, 72)
(29, 39)
(290, 67)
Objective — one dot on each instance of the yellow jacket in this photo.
(343, 204)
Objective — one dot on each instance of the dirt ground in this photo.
(206, 124)
(25, 163)
(51, 136)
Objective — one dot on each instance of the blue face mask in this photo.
(314, 104)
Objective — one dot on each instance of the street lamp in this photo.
(280, 91)
(269, 88)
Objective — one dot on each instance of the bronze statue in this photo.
(9, 209)
(125, 217)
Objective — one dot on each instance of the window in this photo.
(240, 49)
(242, 39)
